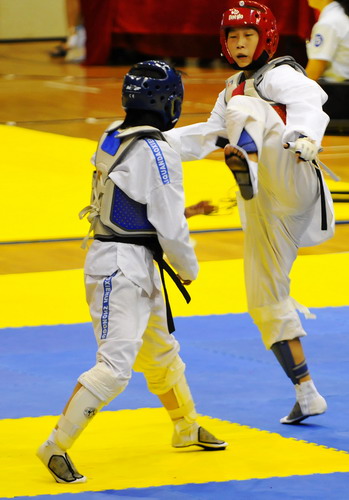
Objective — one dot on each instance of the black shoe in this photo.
(59, 51)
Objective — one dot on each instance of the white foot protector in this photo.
(193, 435)
(59, 463)
(309, 404)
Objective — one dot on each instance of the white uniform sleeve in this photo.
(165, 209)
(303, 99)
(323, 42)
(196, 141)
(151, 174)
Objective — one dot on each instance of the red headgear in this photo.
(254, 14)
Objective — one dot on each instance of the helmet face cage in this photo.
(251, 14)
(154, 86)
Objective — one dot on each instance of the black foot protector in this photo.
(237, 160)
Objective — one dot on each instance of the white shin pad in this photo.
(81, 409)
(185, 402)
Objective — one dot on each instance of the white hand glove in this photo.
(306, 149)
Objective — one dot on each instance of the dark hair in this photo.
(345, 5)
(139, 117)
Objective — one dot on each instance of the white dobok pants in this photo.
(283, 216)
(131, 332)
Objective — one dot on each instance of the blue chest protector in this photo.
(128, 214)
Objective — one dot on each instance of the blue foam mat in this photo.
(333, 487)
(231, 375)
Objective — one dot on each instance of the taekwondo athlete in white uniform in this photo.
(136, 214)
(271, 122)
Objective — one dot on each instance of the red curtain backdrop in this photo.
(168, 28)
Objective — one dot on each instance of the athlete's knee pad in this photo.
(82, 407)
(172, 377)
(162, 379)
(104, 382)
(247, 143)
(284, 355)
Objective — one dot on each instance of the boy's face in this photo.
(242, 43)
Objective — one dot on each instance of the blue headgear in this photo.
(154, 86)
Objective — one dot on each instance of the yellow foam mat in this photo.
(131, 449)
(46, 181)
(50, 298)
(53, 180)
(341, 210)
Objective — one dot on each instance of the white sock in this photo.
(306, 390)
(309, 398)
(183, 425)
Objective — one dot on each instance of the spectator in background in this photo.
(328, 54)
(294, 21)
(328, 49)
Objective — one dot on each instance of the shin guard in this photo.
(284, 356)
(186, 406)
(81, 409)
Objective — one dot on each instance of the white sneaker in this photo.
(59, 463)
(76, 44)
(193, 435)
(309, 404)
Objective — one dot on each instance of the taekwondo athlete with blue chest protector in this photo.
(136, 213)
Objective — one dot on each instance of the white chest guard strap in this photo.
(251, 87)
(279, 61)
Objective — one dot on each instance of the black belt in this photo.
(322, 198)
(221, 142)
(152, 243)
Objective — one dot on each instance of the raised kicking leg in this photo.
(242, 161)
